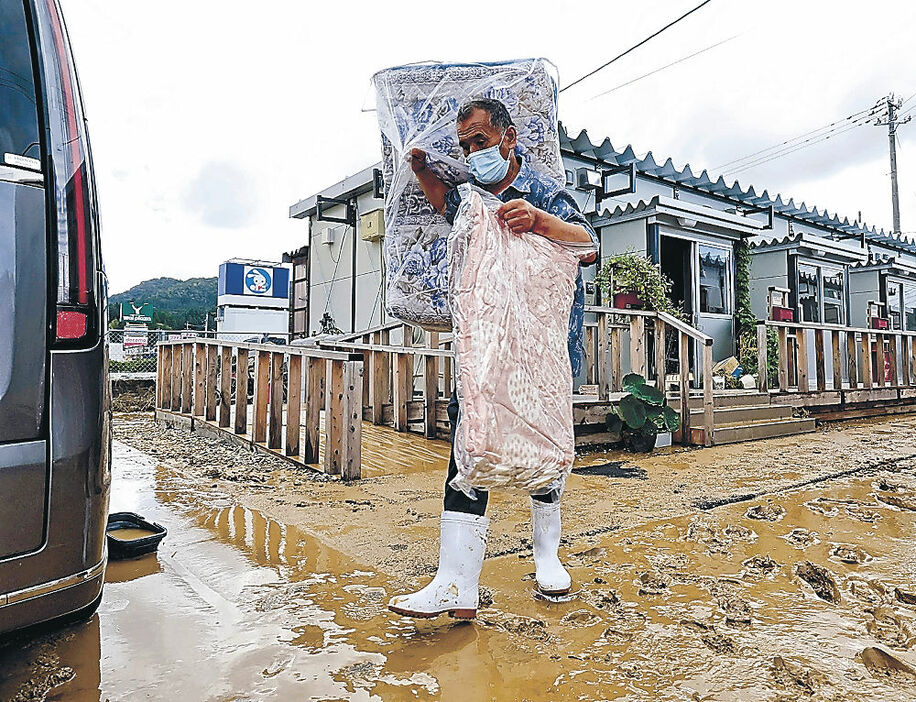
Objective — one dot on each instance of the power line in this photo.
(791, 142)
(766, 158)
(658, 70)
(636, 46)
(796, 147)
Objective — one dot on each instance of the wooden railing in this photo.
(207, 379)
(826, 357)
(619, 342)
(404, 383)
(408, 386)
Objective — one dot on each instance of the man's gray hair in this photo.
(499, 115)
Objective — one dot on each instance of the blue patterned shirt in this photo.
(550, 196)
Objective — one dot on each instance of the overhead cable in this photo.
(659, 70)
(635, 46)
(791, 142)
(796, 147)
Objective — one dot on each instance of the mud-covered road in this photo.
(272, 582)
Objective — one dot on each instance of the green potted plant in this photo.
(641, 415)
(633, 281)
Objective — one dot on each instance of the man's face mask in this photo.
(488, 165)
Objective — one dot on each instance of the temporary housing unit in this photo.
(686, 223)
(340, 270)
(814, 269)
(886, 285)
(696, 229)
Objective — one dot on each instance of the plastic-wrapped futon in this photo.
(511, 295)
(417, 106)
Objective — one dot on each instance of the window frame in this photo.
(891, 279)
(821, 267)
(728, 297)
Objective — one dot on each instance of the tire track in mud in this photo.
(885, 464)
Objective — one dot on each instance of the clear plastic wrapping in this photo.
(417, 106)
(511, 295)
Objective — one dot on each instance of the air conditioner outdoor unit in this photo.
(588, 179)
(329, 236)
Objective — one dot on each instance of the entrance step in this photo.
(743, 414)
(736, 398)
(733, 433)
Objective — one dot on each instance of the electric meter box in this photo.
(372, 225)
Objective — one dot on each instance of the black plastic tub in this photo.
(120, 548)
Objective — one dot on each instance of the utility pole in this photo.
(892, 108)
(892, 123)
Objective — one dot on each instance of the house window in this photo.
(834, 297)
(901, 305)
(821, 294)
(909, 306)
(714, 279)
(809, 300)
(894, 304)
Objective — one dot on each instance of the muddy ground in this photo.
(777, 570)
(391, 517)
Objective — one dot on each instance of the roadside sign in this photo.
(134, 312)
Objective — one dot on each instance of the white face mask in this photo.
(488, 165)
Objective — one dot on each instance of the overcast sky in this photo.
(208, 119)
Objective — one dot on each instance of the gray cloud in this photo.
(221, 195)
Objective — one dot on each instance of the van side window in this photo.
(18, 105)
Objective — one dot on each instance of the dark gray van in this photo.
(54, 401)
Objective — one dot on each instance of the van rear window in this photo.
(18, 106)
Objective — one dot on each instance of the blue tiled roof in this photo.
(647, 165)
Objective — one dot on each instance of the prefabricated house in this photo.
(822, 288)
(687, 223)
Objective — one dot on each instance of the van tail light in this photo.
(71, 324)
(72, 180)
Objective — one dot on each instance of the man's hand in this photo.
(520, 216)
(417, 160)
(434, 189)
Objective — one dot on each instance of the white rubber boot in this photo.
(552, 577)
(462, 544)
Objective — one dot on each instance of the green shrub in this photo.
(630, 272)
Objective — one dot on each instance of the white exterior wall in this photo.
(863, 286)
(617, 238)
(331, 273)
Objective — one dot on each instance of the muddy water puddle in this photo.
(804, 595)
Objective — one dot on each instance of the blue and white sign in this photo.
(251, 278)
(258, 281)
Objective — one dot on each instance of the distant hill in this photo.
(175, 302)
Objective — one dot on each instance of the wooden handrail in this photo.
(605, 368)
(413, 350)
(684, 328)
(860, 358)
(306, 351)
(620, 310)
(834, 327)
(388, 326)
